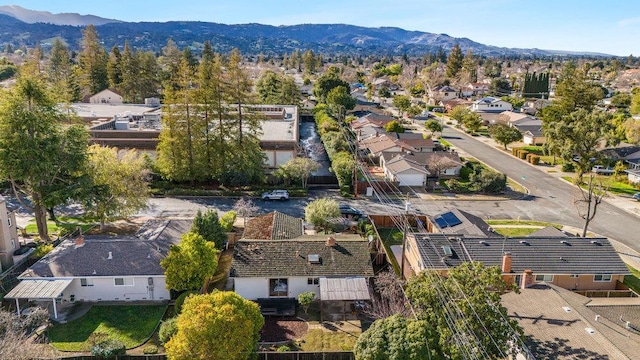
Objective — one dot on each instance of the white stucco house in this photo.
(491, 104)
(633, 176)
(283, 269)
(416, 168)
(103, 268)
(106, 96)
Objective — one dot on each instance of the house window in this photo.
(313, 281)
(602, 278)
(517, 280)
(278, 287)
(574, 276)
(86, 282)
(545, 278)
(123, 281)
(9, 221)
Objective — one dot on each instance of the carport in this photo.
(337, 293)
(40, 289)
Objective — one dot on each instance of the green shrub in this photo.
(108, 349)
(522, 154)
(180, 300)
(150, 349)
(283, 348)
(167, 329)
(534, 159)
(41, 250)
(227, 220)
(568, 167)
(465, 172)
(514, 151)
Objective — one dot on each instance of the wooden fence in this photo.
(386, 221)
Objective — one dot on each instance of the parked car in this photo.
(275, 195)
(349, 211)
(600, 169)
(636, 196)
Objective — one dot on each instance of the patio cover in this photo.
(39, 289)
(344, 289)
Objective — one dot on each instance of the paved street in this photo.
(551, 198)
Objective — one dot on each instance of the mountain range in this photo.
(19, 26)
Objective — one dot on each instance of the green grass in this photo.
(130, 324)
(615, 187)
(515, 232)
(389, 237)
(444, 142)
(65, 225)
(320, 340)
(522, 222)
(633, 280)
(532, 149)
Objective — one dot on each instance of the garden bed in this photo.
(281, 329)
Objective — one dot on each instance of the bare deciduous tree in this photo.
(17, 340)
(245, 208)
(588, 201)
(389, 298)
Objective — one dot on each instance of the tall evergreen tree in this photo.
(60, 75)
(130, 72)
(114, 68)
(454, 61)
(92, 62)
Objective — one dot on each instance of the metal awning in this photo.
(38, 289)
(344, 289)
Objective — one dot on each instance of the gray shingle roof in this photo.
(470, 225)
(431, 248)
(554, 333)
(260, 258)
(549, 255)
(131, 255)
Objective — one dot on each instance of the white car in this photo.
(275, 195)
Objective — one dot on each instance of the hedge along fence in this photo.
(525, 155)
(332, 136)
(262, 355)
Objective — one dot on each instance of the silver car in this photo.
(275, 195)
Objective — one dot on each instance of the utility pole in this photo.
(404, 235)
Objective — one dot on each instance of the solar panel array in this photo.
(447, 219)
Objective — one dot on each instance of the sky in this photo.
(610, 27)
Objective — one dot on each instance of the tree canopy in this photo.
(327, 82)
(299, 168)
(504, 134)
(319, 212)
(398, 338)
(433, 126)
(221, 325)
(208, 226)
(394, 126)
(472, 291)
(190, 263)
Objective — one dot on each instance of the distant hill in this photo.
(249, 38)
(31, 17)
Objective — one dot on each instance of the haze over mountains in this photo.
(20, 26)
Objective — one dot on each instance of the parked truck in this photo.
(600, 169)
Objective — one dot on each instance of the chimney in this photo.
(331, 242)
(506, 262)
(110, 256)
(527, 279)
(79, 241)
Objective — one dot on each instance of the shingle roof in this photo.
(401, 165)
(130, 255)
(273, 226)
(549, 255)
(431, 248)
(555, 333)
(261, 258)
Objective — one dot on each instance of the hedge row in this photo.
(525, 155)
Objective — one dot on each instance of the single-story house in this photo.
(104, 268)
(441, 93)
(628, 153)
(107, 96)
(532, 135)
(561, 324)
(376, 145)
(449, 105)
(474, 89)
(273, 226)
(405, 172)
(573, 263)
(490, 104)
(510, 117)
(438, 164)
(286, 268)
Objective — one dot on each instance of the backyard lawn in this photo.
(321, 340)
(131, 324)
(633, 280)
(65, 224)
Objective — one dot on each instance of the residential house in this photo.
(441, 93)
(573, 263)
(416, 168)
(633, 175)
(273, 226)
(532, 106)
(509, 117)
(107, 96)
(104, 268)
(380, 83)
(456, 221)
(449, 105)
(474, 89)
(369, 124)
(532, 135)
(490, 104)
(8, 235)
(373, 147)
(286, 268)
(628, 153)
(561, 324)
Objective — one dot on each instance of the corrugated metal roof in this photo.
(344, 289)
(38, 289)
